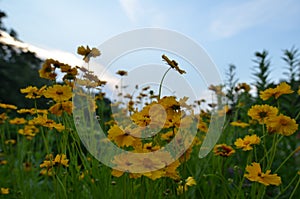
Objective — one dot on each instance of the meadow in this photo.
(257, 155)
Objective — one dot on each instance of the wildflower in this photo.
(282, 88)
(61, 159)
(32, 111)
(3, 162)
(239, 124)
(87, 53)
(11, 141)
(202, 126)
(256, 175)
(243, 86)
(48, 69)
(47, 164)
(58, 93)
(247, 142)
(262, 113)
(33, 92)
(223, 150)
(282, 124)
(122, 137)
(17, 120)
(44, 121)
(122, 72)
(190, 181)
(58, 108)
(173, 64)
(8, 106)
(48, 172)
(3, 117)
(29, 131)
(4, 191)
(71, 72)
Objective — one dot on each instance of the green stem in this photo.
(265, 144)
(160, 85)
(295, 189)
(273, 151)
(286, 188)
(286, 159)
(297, 116)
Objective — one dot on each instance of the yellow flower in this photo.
(262, 113)
(223, 150)
(246, 143)
(47, 164)
(61, 159)
(4, 191)
(11, 141)
(33, 92)
(190, 181)
(87, 53)
(282, 124)
(44, 121)
(58, 93)
(256, 175)
(28, 130)
(3, 117)
(243, 86)
(170, 170)
(282, 88)
(202, 126)
(48, 172)
(58, 108)
(122, 137)
(173, 64)
(3, 162)
(8, 106)
(239, 124)
(17, 120)
(48, 69)
(32, 111)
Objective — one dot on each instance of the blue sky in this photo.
(230, 31)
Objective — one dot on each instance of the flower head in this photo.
(247, 142)
(282, 88)
(256, 175)
(173, 64)
(190, 181)
(87, 53)
(223, 150)
(262, 113)
(4, 191)
(8, 106)
(58, 93)
(33, 92)
(239, 124)
(122, 137)
(282, 124)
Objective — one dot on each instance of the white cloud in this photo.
(232, 19)
(145, 13)
(132, 9)
(62, 56)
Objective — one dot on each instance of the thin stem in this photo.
(160, 85)
(286, 159)
(295, 189)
